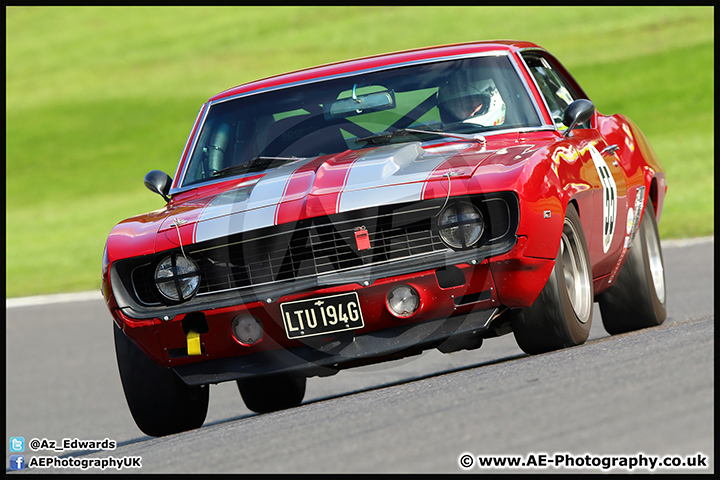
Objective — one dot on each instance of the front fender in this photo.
(542, 209)
(543, 198)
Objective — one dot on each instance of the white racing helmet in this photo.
(476, 102)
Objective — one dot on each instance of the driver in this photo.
(477, 102)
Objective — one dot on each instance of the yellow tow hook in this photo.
(193, 343)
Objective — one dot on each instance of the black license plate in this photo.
(318, 316)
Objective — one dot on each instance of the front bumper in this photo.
(401, 341)
(461, 293)
(460, 305)
(445, 293)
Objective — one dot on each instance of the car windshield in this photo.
(262, 131)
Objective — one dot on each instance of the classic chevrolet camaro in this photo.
(371, 209)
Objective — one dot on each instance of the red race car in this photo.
(371, 209)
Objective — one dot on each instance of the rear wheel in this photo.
(160, 402)
(562, 314)
(637, 298)
(273, 392)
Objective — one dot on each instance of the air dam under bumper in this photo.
(387, 344)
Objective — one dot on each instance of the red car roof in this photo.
(375, 61)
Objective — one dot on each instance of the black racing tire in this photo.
(160, 402)
(637, 298)
(273, 392)
(562, 314)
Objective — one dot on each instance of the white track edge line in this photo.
(96, 295)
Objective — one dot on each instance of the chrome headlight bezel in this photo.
(176, 278)
(461, 225)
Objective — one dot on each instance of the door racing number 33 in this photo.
(609, 195)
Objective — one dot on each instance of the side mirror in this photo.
(579, 111)
(159, 182)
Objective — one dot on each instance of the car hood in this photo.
(318, 186)
(312, 187)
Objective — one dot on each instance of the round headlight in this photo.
(177, 278)
(403, 301)
(461, 225)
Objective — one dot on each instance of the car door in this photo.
(605, 232)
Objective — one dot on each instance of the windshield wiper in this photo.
(257, 164)
(385, 137)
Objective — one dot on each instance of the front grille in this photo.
(324, 246)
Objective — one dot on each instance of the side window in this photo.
(557, 91)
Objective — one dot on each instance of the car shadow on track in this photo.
(600, 336)
(383, 385)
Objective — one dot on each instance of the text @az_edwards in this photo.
(66, 444)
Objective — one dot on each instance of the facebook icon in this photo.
(17, 462)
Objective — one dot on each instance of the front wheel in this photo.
(273, 392)
(160, 402)
(637, 298)
(562, 314)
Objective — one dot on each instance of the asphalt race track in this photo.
(634, 396)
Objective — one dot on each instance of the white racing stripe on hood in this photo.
(246, 208)
(235, 223)
(387, 175)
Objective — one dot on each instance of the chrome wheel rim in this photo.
(576, 273)
(657, 271)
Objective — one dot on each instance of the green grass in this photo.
(98, 96)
